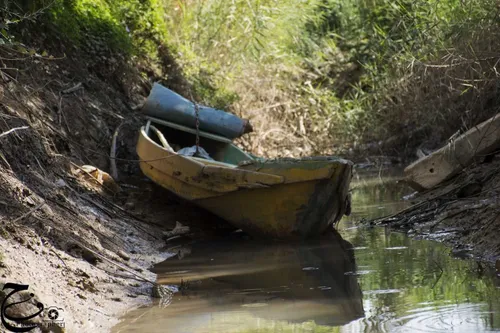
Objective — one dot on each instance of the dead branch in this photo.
(57, 255)
(7, 204)
(13, 130)
(61, 113)
(78, 86)
(112, 262)
(2, 156)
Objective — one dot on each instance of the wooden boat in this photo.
(280, 198)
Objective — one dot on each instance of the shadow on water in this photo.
(367, 280)
(235, 286)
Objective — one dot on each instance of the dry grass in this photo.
(432, 100)
(273, 113)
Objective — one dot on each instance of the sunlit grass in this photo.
(314, 76)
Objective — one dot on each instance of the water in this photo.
(372, 280)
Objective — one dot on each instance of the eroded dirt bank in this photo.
(81, 245)
(463, 212)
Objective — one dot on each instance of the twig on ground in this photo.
(99, 311)
(6, 204)
(112, 213)
(124, 211)
(28, 213)
(101, 207)
(13, 130)
(78, 86)
(112, 154)
(61, 114)
(2, 156)
(57, 255)
(128, 270)
(2, 74)
(40, 165)
(69, 209)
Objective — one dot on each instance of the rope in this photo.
(197, 113)
(197, 124)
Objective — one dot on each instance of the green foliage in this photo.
(362, 49)
(340, 65)
(87, 22)
(119, 26)
(349, 52)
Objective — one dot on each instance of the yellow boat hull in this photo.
(287, 198)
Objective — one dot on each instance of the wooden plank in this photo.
(449, 160)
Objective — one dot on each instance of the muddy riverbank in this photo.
(77, 252)
(86, 247)
(81, 244)
(463, 212)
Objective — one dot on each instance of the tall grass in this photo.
(314, 76)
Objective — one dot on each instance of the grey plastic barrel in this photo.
(165, 104)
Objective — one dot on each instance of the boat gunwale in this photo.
(208, 169)
(202, 162)
(321, 162)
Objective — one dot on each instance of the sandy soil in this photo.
(91, 298)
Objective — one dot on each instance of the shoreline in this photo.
(93, 266)
(461, 213)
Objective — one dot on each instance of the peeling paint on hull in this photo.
(292, 198)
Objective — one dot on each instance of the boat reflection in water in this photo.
(241, 286)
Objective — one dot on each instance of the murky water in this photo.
(372, 280)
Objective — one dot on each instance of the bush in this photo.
(310, 73)
(346, 71)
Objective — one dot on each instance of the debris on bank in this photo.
(458, 201)
(472, 146)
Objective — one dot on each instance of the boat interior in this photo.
(220, 148)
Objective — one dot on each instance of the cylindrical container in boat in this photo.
(165, 104)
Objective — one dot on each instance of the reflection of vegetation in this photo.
(404, 273)
(372, 201)
(401, 279)
(268, 326)
(423, 272)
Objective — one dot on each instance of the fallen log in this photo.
(449, 160)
